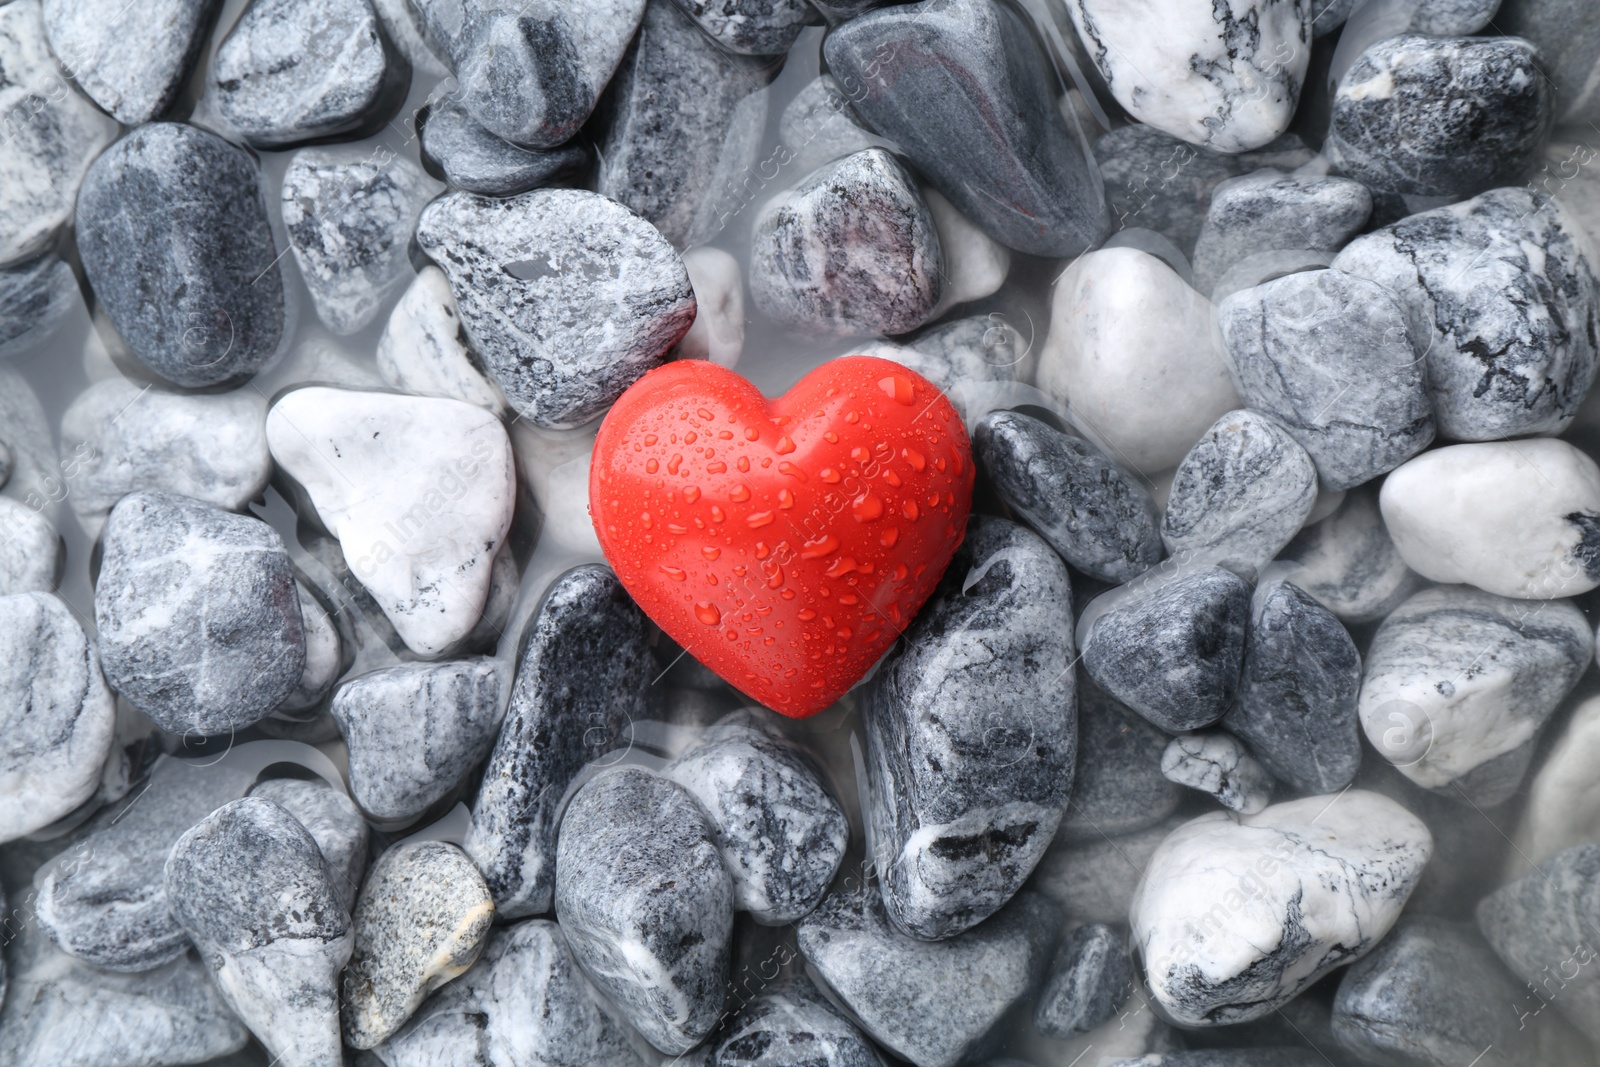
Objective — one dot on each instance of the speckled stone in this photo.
(1118, 786)
(422, 919)
(1092, 878)
(752, 27)
(175, 241)
(964, 91)
(789, 1027)
(1458, 683)
(30, 550)
(424, 349)
(292, 71)
(563, 334)
(895, 984)
(34, 298)
(1349, 563)
(971, 734)
(1089, 980)
(131, 59)
(1096, 516)
(1502, 303)
(1443, 18)
(457, 149)
(1432, 116)
(334, 824)
(250, 886)
(1272, 211)
(683, 120)
(349, 214)
(644, 899)
(525, 1002)
(1329, 356)
(851, 249)
(1170, 648)
(584, 679)
(416, 731)
(1235, 918)
(404, 27)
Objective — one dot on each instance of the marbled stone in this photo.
(1459, 682)
(584, 679)
(780, 833)
(1134, 357)
(418, 490)
(131, 59)
(751, 27)
(1240, 495)
(1349, 563)
(404, 28)
(292, 71)
(718, 330)
(565, 332)
(1093, 878)
(791, 1026)
(1225, 76)
(198, 618)
(349, 214)
(1567, 38)
(895, 984)
(851, 249)
(1296, 705)
(30, 550)
(416, 731)
(175, 241)
(965, 92)
(971, 734)
(1432, 116)
(34, 298)
(250, 886)
(1097, 517)
(1328, 355)
(1517, 518)
(424, 349)
(457, 149)
(1442, 18)
(1118, 786)
(1563, 807)
(1216, 763)
(646, 903)
(1089, 980)
(683, 120)
(210, 447)
(1235, 918)
(1271, 211)
(422, 919)
(1501, 301)
(1170, 648)
(55, 713)
(334, 824)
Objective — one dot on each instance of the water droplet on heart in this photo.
(692, 493)
(910, 510)
(758, 519)
(751, 433)
(823, 546)
(716, 468)
(933, 500)
(892, 478)
(717, 514)
(841, 566)
(913, 457)
(732, 635)
(644, 519)
(677, 528)
(898, 389)
(888, 538)
(650, 439)
(651, 466)
(806, 615)
(784, 446)
(851, 417)
(743, 463)
(674, 573)
(785, 499)
(707, 613)
(762, 550)
(706, 415)
(866, 508)
(792, 471)
(711, 552)
(900, 571)
(674, 463)
(829, 475)
(739, 494)
(690, 438)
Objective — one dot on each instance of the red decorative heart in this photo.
(785, 544)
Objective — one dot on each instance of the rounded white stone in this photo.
(424, 347)
(718, 330)
(1564, 798)
(975, 264)
(30, 549)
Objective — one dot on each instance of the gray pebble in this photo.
(34, 298)
(1171, 649)
(199, 619)
(1097, 517)
(1118, 786)
(584, 679)
(416, 731)
(851, 249)
(1217, 764)
(1296, 706)
(332, 821)
(175, 241)
(600, 302)
(1349, 563)
(131, 59)
(293, 71)
(404, 27)
(1271, 211)
(1089, 980)
(250, 886)
(1501, 302)
(1092, 880)
(792, 1027)
(971, 734)
(780, 833)
(324, 663)
(896, 984)
(30, 550)
(1568, 38)
(1443, 18)
(1328, 355)
(751, 27)
(644, 899)
(1241, 494)
(817, 126)
(456, 148)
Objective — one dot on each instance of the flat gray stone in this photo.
(1270, 211)
(457, 149)
(34, 298)
(131, 59)
(1089, 980)
(333, 823)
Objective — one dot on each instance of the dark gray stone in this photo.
(131, 59)
(1296, 706)
(293, 71)
(793, 1027)
(568, 297)
(34, 298)
(583, 680)
(1170, 649)
(1118, 786)
(852, 249)
(1349, 562)
(752, 27)
(1443, 18)
(175, 242)
(929, 1002)
(333, 823)
(415, 732)
(1568, 39)
(1270, 211)
(457, 149)
(971, 734)
(1328, 355)
(1431, 116)
(963, 88)
(1092, 879)
(1501, 302)
(644, 899)
(780, 833)
(1089, 980)
(683, 120)
(199, 621)
(1097, 517)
